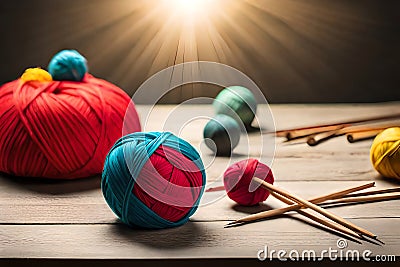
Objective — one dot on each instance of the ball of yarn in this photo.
(237, 102)
(239, 185)
(222, 134)
(153, 180)
(68, 65)
(385, 153)
(62, 129)
(36, 74)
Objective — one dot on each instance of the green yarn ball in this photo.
(222, 134)
(237, 102)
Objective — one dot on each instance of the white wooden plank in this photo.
(22, 205)
(193, 240)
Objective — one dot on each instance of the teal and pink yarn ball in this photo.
(153, 180)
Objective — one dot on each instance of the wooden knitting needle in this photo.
(318, 127)
(276, 212)
(314, 207)
(325, 127)
(321, 137)
(373, 192)
(362, 199)
(330, 224)
(361, 136)
(295, 134)
(338, 198)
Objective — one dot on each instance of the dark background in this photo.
(296, 51)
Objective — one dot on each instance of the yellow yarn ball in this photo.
(385, 153)
(36, 74)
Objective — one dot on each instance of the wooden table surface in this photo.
(44, 220)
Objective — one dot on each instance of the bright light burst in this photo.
(192, 9)
(261, 37)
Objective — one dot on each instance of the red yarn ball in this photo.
(239, 185)
(172, 183)
(61, 129)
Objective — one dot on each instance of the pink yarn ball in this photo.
(239, 185)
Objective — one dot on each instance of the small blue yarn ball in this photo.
(68, 65)
(157, 168)
(222, 134)
(237, 102)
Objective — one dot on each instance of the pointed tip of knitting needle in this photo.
(380, 241)
(373, 240)
(233, 224)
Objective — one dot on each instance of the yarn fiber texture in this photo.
(239, 185)
(222, 134)
(68, 65)
(61, 129)
(237, 102)
(153, 180)
(385, 153)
